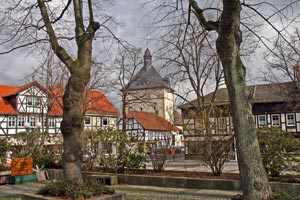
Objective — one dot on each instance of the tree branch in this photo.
(208, 25)
(58, 50)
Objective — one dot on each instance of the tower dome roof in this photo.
(147, 53)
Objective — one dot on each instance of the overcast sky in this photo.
(16, 65)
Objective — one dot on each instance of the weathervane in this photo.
(147, 40)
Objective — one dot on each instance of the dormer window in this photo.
(33, 101)
(29, 101)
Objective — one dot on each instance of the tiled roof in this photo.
(151, 121)
(262, 93)
(96, 102)
(5, 106)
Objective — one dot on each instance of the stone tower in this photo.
(149, 92)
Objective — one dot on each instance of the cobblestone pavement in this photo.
(156, 193)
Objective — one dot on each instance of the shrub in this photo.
(274, 142)
(65, 188)
(131, 160)
(127, 156)
(4, 147)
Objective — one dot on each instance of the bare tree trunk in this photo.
(73, 117)
(72, 126)
(254, 180)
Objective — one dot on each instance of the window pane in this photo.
(275, 120)
(11, 121)
(32, 121)
(104, 121)
(87, 120)
(290, 119)
(29, 101)
(21, 121)
(262, 120)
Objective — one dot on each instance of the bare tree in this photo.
(125, 66)
(224, 18)
(192, 60)
(283, 60)
(35, 24)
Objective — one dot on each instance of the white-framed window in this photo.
(262, 120)
(21, 121)
(29, 101)
(222, 122)
(32, 121)
(104, 121)
(11, 121)
(33, 101)
(87, 121)
(37, 101)
(51, 122)
(275, 120)
(290, 119)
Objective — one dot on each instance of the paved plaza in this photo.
(180, 164)
(133, 192)
(151, 193)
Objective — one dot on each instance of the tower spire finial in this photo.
(147, 41)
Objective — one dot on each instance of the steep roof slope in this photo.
(262, 93)
(96, 102)
(151, 121)
(147, 77)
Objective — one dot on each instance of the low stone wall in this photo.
(189, 183)
(193, 183)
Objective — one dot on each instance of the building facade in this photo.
(274, 104)
(32, 107)
(150, 98)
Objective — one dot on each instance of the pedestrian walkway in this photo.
(18, 189)
(158, 193)
(180, 164)
(133, 192)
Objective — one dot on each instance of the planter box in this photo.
(21, 166)
(23, 179)
(4, 177)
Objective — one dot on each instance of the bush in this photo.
(274, 142)
(131, 160)
(41, 157)
(4, 147)
(65, 188)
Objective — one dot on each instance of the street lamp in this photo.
(27, 126)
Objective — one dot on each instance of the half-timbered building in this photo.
(276, 104)
(149, 128)
(149, 94)
(31, 107)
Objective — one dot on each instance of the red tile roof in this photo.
(97, 103)
(151, 121)
(5, 106)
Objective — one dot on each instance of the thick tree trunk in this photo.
(254, 180)
(73, 124)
